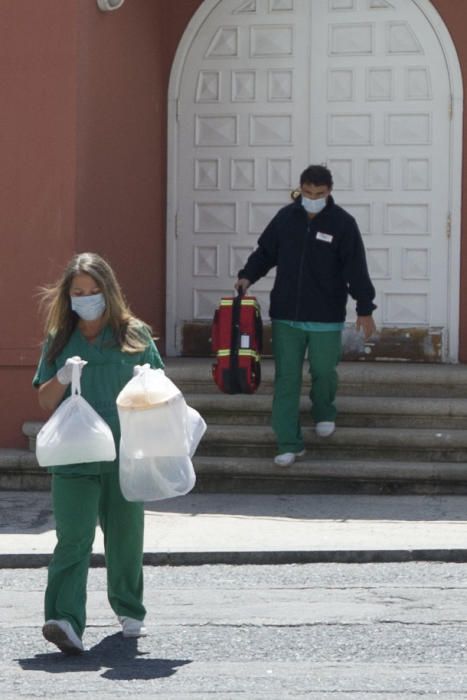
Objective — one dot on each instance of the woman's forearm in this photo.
(51, 393)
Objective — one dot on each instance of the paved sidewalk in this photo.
(206, 528)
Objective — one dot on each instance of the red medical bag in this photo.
(236, 340)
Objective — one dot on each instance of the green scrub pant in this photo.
(78, 503)
(289, 347)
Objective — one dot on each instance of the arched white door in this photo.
(262, 88)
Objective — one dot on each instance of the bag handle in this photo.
(75, 380)
(235, 342)
(236, 313)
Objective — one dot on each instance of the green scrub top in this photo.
(102, 379)
(313, 326)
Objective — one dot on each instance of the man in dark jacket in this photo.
(319, 257)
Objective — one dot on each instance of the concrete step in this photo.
(30, 429)
(353, 411)
(20, 471)
(399, 444)
(400, 426)
(193, 375)
(250, 474)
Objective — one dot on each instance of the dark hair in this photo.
(316, 175)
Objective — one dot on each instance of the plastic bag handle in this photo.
(75, 380)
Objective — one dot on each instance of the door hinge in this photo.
(448, 226)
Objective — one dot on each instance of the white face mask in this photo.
(313, 206)
(89, 308)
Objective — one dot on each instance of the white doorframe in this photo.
(455, 171)
(455, 175)
(188, 37)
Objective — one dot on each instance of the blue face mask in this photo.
(89, 308)
(313, 206)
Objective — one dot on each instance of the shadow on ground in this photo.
(119, 658)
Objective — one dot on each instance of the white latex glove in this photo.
(64, 374)
(137, 369)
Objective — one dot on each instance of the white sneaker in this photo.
(286, 459)
(62, 634)
(325, 428)
(132, 627)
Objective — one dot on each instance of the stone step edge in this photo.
(333, 469)
(262, 467)
(450, 439)
(355, 405)
(199, 370)
(374, 437)
(12, 458)
(358, 405)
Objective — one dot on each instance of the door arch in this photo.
(261, 88)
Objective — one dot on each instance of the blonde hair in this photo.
(129, 333)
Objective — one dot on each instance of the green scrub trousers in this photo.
(79, 502)
(87, 494)
(289, 347)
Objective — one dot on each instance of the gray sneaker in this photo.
(62, 634)
(286, 459)
(325, 428)
(132, 627)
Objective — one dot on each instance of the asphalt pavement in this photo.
(314, 631)
(267, 613)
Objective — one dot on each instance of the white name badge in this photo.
(324, 237)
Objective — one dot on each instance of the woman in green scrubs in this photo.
(87, 316)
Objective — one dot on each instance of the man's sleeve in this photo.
(264, 258)
(355, 270)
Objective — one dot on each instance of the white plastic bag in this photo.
(153, 416)
(157, 478)
(196, 427)
(75, 433)
(353, 341)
